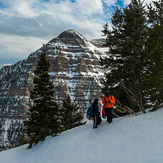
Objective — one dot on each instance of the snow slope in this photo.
(134, 139)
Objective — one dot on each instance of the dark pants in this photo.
(95, 119)
(109, 114)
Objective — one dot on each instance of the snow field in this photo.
(133, 139)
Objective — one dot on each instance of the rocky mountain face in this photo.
(100, 43)
(74, 70)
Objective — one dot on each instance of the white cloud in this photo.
(14, 48)
(24, 8)
(21, 45)
(42, 16)
(126, 2)
(26, 23)
(86, 7)
(20, 8)
(109, 2)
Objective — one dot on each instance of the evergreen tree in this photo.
(43, 115)
(155, 51)
(126, 62)
(71, 114)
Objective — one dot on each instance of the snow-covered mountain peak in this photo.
(74, 40)
(71, 33)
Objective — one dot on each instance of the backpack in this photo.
(90, 113)
(103, 112)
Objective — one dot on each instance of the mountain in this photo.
(100, 43)
(134, 139)
(74, 70)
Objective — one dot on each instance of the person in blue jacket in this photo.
(96, 113)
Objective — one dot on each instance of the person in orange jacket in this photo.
(108, 100)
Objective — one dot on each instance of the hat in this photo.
(107, 92)
(96, 101)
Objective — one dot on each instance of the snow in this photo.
(7, 123)
(134, 139)
(6, 65)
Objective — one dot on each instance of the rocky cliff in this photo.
(74, 70)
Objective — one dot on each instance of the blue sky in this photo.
(27, 24)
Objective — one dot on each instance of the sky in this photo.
(25, 25)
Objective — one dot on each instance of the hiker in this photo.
(96, 114)
(108, 101)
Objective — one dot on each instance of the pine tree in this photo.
(71, 114)
(155, 51)
(43, 115)
(125, 63)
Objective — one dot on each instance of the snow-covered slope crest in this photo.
(135, 139)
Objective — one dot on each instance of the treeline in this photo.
(135, 61)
